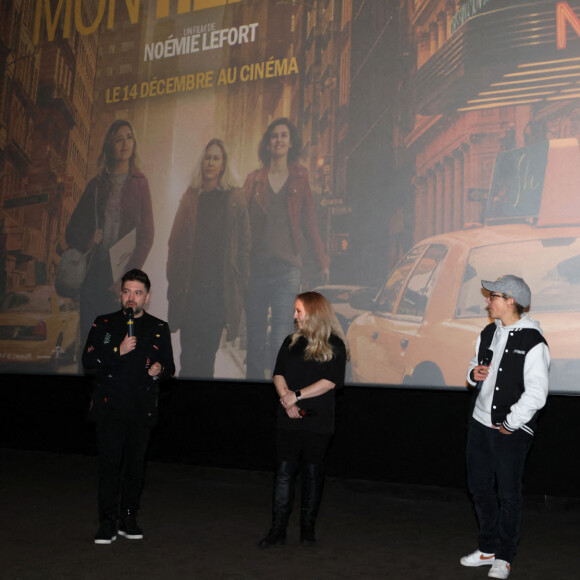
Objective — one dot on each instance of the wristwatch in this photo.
(298, 395)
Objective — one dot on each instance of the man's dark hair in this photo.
(136, 275)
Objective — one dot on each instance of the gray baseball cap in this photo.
(511, 286)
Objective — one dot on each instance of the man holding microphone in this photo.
(129, 351)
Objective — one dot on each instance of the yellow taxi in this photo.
(422, 326)
(37, 327)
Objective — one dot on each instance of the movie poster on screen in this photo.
(439, 146)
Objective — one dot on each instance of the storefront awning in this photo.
(505, 56)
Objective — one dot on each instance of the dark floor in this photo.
(203, 523)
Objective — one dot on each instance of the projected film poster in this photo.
(242, 151)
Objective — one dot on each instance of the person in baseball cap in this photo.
(512, 286)
(510, 373)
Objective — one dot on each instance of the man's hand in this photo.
(480, 373)
(155, 369)
(129, 343)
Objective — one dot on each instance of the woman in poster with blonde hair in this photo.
(115, 202)
(208, 261)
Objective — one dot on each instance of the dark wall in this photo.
(394, 435)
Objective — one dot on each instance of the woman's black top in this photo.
(300, 373)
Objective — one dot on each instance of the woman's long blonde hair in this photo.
(319, 323)
(229, 178)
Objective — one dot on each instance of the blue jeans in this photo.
(274, 285)
(496, 458)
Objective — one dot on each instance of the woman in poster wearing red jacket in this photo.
(281, 212)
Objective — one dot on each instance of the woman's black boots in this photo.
(281, 504)
(312, 484)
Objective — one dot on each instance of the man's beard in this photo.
(136, 310)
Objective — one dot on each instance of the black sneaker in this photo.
(129, 529)
(107, 532)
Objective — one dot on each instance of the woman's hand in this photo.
(288, 399)
(97, 238)
(293, 412)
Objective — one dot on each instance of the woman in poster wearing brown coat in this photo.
(208, 262)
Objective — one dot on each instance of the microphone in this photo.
(485, 361)
(130, 322)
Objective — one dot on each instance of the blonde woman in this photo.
(309, 367)
(208, 262)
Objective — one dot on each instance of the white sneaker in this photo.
(478, 558)
(500, 569)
